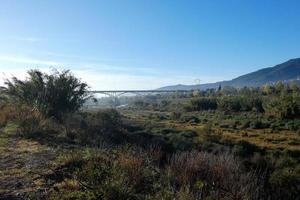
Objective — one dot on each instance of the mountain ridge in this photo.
(286, 71)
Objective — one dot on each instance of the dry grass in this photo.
(220, 175)
(22, 163)
(265, 138)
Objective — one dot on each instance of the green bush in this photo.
(200, 104)
(140, 104)
(94, 128)
(240, 103)
(244, 148)
(52, 95)
(30, 122)
(189, 134)
(133, 173)
(8, 113)
(289, 107)
(293, 125)
(245, 124)
(229, 104)
(175, 115)
(189, 118)
(286, 183)
(257, 124)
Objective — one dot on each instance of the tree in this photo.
(293, 86)
(279, 87)
(268, 89)
(196, 93)
(204, 103)
(51, 94)
(289, 107)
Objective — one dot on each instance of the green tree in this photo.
(268, 89)
(196, 93)
(289, 106)
(204, 103)
(279, 87)
(293, 86)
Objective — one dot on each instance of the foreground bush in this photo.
(52, 95)
(92, 128)
(8, 112)
(134, 173)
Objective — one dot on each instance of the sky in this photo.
(146, 44)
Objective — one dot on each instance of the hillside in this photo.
(286, 71)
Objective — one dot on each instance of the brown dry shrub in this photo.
(185, 193)
(132, 164)
(30, 121)
(8, 113)
(187, 166)
(218, 176)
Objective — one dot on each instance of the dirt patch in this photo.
(22, 165)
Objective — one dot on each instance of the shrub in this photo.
(8, 113)
(52, 95)
(256, 104)
(189, 118)
(75, 125)
(293, 125)
(30, 122)
(200, 104)
(189, 134)
(245, 124)
(175, 115)
(244, 148)
(215, 176)
(289, 107)
(262, 124)
(166, 131)
(102, 125)
(256, 124)
(140, 104)
(240, 103)
(94, 128)
(286, 183)
(229, 104)
(135, 173)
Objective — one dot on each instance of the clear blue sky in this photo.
(144, 44)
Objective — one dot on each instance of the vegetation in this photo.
(216, 144)
(203, 103)
(52, 95)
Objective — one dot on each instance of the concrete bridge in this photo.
(117, 93)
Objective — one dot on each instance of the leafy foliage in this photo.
(52, 95)
(240, 103)
(289, 106)
(200, 104)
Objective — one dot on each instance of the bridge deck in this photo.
(137, 91)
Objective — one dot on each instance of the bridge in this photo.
(117, 93)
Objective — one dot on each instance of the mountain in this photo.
(287, 71)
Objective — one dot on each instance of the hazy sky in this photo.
(145, 44)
